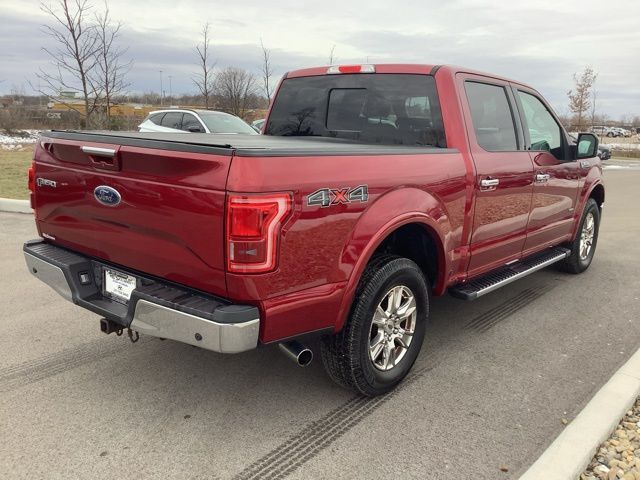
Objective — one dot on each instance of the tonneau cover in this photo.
(243, 145)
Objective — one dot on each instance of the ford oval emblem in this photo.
(107, 196)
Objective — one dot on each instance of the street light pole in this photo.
(160, 87)
(170, 91)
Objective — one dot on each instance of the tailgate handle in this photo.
(99, 152)
(102, 158)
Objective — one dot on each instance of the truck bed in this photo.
(243, 145)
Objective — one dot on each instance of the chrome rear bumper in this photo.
(159, 321)
(156, 308)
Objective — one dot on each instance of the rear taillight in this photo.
(31, 183)
(253, 228)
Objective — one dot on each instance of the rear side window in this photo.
(172, 120)
(491, 116)
(191, 124)
(390, 109)
(156, 118)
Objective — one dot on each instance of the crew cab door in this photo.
(556, 174)
(504, 172)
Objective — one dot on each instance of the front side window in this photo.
(491, 116)
(389, 109)
(544, 132)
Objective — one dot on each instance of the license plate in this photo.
(118, 286)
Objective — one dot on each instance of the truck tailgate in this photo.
(152, 206)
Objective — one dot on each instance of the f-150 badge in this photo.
(325, 197)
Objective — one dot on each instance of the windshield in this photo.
(225, 123)
(390, 109)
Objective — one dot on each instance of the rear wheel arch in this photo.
(398, 239)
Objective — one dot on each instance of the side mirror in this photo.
(586, 146)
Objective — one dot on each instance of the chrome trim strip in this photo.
(49, 274)
(519, 275)
(99, 152)
(163, 322)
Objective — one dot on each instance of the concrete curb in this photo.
(15, 206)
(570, 453)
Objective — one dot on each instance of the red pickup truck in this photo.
(372, 189)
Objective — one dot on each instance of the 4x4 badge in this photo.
(326, 197)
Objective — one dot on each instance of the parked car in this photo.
(604, 151)
(194, 121)
(604, 131)
(622, 132)
(342, 221)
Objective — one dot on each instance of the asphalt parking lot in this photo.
(491, 388)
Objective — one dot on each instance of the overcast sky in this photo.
(541, 42)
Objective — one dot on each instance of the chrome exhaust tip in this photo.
(297, 352)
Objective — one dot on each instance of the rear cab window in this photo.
(390, 109)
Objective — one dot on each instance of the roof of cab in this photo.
(410, 68)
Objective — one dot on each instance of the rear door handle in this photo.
(542, 177)
(489, 182)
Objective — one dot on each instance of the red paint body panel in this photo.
(171, 222)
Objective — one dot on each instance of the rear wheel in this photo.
(583, 246)
(384, 332)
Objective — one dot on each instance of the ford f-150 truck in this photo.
(372, 189)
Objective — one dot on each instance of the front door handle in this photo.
(489, 182)
(542, 177)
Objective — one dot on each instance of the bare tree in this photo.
(235, 87)
(331, 55)
(580, 97)
(594, 97)
(108, 79)
(205, 79)
(74, 57)
(267, 70)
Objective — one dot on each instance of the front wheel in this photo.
(384, 332)
(583, 246)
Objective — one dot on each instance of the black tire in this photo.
(345, 355)
(575, 263)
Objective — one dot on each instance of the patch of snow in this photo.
(623, 146)
(16, 140)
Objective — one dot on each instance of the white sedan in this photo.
(194, 121)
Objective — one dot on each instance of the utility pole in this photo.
(160, 87)
(170, 90)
